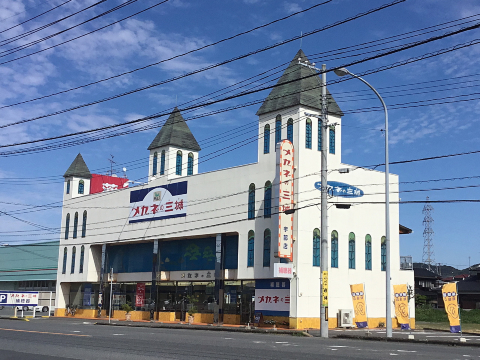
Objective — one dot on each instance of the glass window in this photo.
(68, 186)
(67, 226)
(332, 140)
(251, 201)
(334, 260)
(162, 163)
(64, 267)
(308, 134)
(351, 251)
(267, 241)
(75, 225)
(319, 144)
(290, 130)
(368, 252)
(155, 161)
(178, 170)
(278, 129)
(267, 203)
(81, 187)
(190, 164)
(82, 258)
(74, 250)
(316, 247)
(251, 248)
(384, 253)
(266, 139)
(84, 224)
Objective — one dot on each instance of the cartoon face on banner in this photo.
(359, 305)
(400, 300)
(449, 293)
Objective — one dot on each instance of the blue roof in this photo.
(37, 261)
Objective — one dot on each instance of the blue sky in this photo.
(177, 26)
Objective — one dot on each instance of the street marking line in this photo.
(407, 351)
(42, 332)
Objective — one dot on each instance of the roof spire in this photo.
(78, 168)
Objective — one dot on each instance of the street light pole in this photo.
(388, 315)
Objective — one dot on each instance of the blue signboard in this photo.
(336, 188)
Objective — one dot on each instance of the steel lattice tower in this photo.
(428, 254)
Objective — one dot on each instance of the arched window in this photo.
(67, 226)
(75, 225)
(81, 187)
(332, 140)
(82, 258)
(74, 250)
(155, 161)
(278, 129)
(190, 164)
(334, 247)
(290, 130)
(267, 241)
(68, 186)
(178, 170)
(251, 201)
(251, 248)
(384, 253)
(308, 134)
(368, 252)
(316, 247)
(266, 139)
(267, 203)
(162, 163)
(351, 250)
(64, 266)
(84, 224)
(319, 143)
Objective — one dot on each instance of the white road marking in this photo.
(407, 351)
(259, 342)
(334, 349)
(228, 338)
(76, 331)
(338, 346)
(118, 334)
(393, 354)
(281, 342)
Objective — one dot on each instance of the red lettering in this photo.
(179, 205)
(144, 210)
(286, 162)
(169, 206)
(155, 209)
(137, 211)
(287, 152)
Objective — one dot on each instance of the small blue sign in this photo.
(336, 188)
(3, 298)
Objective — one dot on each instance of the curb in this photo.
(208, 328)
(419, 341)
(14, 318)
(448, 331)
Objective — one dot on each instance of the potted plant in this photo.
(191, 314)
(192, 309)
(128, 309)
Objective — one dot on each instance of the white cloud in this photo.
(291, 7)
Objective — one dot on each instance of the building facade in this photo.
(209, 242)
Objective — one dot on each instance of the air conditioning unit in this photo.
(345, 318)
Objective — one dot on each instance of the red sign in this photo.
(102, 183)
(140, 296)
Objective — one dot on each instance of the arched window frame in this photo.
(178, 167)
(72, 267)
(332, 140)
(68, 187)
(155, 162)
(383, 253)
(316, 247)
(308, 134)
(162, 163)
(368, 252)
(67, 226)
(64, 266)
(81, 187)
(266, 139)
(319, 138)
(84, 224)
(267, 241)
(290, 130)
(278, 129)
(267, 201)
(334, 249)
(351, 250)
(75, 225)
(251, 201)
(190, 164)
(251, 248)
(82, 259)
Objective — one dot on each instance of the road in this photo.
(50, 339)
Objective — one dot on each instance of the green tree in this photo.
(208, 254)
(192, 252)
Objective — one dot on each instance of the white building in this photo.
(164, 237)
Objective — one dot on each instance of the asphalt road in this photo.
(75, 339)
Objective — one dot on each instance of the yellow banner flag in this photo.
(450, 299)
(359, 306)
(401, 305)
